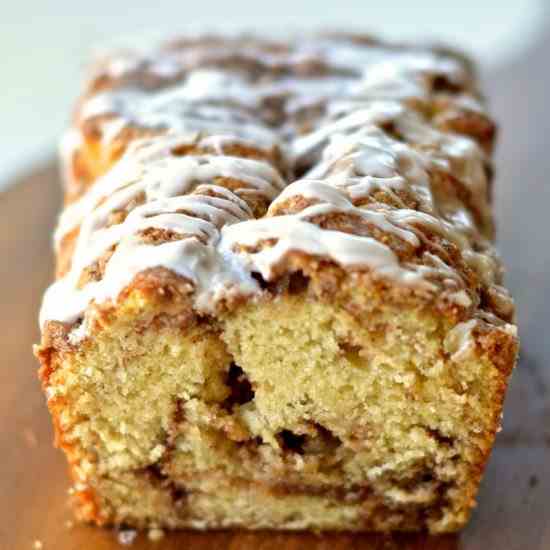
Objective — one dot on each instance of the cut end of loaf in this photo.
(292, 412)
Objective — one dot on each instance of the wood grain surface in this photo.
(513, 511)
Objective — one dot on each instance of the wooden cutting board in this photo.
(513, 511)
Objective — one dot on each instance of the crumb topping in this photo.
(391, 144)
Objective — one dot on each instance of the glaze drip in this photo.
(385, 188)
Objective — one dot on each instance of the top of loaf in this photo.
(235, 161)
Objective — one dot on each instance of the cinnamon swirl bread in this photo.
(278, 304)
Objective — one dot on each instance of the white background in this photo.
(44, 45)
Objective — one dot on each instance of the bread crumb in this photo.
(127, 536)
(155, 534)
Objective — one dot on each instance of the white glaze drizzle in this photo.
(154, 156)
(150, 168)
(221, 244)
(176, 110)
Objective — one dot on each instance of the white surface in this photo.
(44, 46)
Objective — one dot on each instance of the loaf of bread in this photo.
(278, 303)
